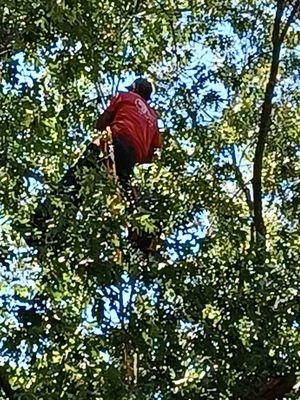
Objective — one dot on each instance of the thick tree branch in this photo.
(265, 120)
(275, 388)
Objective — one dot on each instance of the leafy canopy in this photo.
(214, 313)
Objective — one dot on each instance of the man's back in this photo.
(135, 122)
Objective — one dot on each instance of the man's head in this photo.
(142, 87)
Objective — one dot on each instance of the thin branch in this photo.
(174, 39)
(92, 100)
(119, 80)
(251, 144)
(207, 114)
(174, 42)
(240, 180)
(121, 303)
(100, 95)
(4, 52)
(296, 8)
(113, 84)
(244, 188)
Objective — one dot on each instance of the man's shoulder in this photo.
(125, 96)
(137, 100)
(118, 99)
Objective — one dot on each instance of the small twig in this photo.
(207, 114)
(100, 96)
(35, 176)
(174, 42)
(113, 85)
(3, 52)
(132, 292)
(121, 302)
(92, 100)
(243, 154)
(118, 83)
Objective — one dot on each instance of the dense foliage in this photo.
(214, 313)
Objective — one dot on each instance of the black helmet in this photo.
(142, 87)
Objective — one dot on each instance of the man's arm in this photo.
(153, 155)
(104, 120)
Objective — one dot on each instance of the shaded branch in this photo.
(5, 385)
(265, 122)
(296, 8)
(275, 388)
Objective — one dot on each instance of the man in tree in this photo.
(135, 135)
(134, 128)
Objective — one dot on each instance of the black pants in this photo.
(124, 162)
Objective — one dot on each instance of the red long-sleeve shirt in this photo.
(136, 122)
